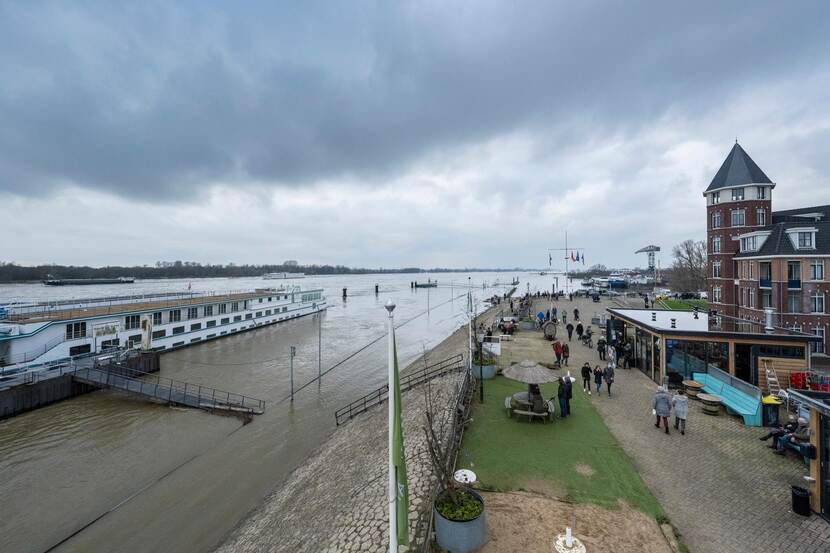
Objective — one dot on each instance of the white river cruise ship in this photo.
(40, 333)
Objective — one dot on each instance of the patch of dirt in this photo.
(585, 470)
(529, 523)
(542, 486)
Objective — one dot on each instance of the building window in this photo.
(766, 298)
(716, 294)
(749, 244)
(75, 331)
(805, 240)
(715, 198)
(175, 315)
(738, 217)
(208, 311)
(794, 274)
(196, 326)
(192, 312)
(761, 217)
(134, 339)
(817, 303)
(80, 350)
(267, 312)
(716, 244)
(737, 194)
(225, 321)
(259, 313)
(237, 318)
(107, 345)
(817, 270)
(716, 269)
(157, 318)
(818, 347)
(249, 315)
(794, 302)
(235, 306)
(178, 330)
(762, 192)
(223, 308)
(716, 219)
(131, 321)
(210, 324)
(159, 334)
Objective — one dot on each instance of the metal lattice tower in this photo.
(650, 250)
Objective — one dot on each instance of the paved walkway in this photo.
(720, 486)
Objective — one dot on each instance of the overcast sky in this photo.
(396, 133)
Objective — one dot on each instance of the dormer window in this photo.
(737, 194)
(805, 241)
(715, 198)
(762, 192)
(749, 244)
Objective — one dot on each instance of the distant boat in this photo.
(617, 280)
(86, 281)
(588, 282)
(282, 276)
(427, 284)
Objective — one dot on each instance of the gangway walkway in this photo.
(167, 390)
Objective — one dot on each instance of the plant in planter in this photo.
(458, 510)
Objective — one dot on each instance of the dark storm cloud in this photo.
(152, 100)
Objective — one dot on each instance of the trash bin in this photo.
(770, 410)
(801, 501)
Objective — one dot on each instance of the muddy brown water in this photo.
(106, 472)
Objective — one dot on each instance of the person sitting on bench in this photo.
(794, 440)
(779, 431)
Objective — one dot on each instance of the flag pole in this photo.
(393, 518)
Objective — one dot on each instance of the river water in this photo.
(105, 472)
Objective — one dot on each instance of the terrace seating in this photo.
(736, 401)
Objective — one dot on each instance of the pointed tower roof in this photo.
(738, 169)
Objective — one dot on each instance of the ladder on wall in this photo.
(773, 385)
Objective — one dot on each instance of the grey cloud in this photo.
(153, 100)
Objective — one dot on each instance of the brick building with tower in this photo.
(759, 258)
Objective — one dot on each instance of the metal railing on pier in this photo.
(407, 382)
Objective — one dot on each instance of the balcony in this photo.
(794, 284)
(764, 283)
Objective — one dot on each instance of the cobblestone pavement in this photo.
(336, 502)
(720, 486)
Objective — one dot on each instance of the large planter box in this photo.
(460, 536)
(484, 372)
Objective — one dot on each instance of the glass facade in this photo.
(685, 357)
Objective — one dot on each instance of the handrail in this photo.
(32, 354)
(407, 382)
(165, 389)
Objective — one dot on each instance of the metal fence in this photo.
(407, 382)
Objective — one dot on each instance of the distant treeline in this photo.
(11, 272)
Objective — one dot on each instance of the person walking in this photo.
(661, 407)
(570, 329)
(566, 352)
(562, 394)
(564, 316)
(609, 378)
(680, 405)
(557, 350)
(598, 379)
(576, 314)
(628, 355)
(601, 344)
(611, 354)
(579, 330)
(586, 378)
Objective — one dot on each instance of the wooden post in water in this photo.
(291, 353)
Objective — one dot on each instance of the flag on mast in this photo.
(397, 457)
(583, 258)
(550, 260)
(572, 256)
(577, 256)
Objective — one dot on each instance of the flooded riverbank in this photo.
(103, 469)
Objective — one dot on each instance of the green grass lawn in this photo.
(685, 305)
(575, 459)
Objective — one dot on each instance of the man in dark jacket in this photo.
(570, 329)
(579, 330)
(586, 378)
(562, 394)
(601, 348)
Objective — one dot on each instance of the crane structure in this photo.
(651, 250)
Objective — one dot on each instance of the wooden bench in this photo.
(531, 415)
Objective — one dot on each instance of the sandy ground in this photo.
(529, 523)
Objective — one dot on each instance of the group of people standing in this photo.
(599, 375)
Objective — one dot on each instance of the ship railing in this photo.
(31, 355)
(407, 382)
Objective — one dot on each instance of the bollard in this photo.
(377, 289)
(344, 292)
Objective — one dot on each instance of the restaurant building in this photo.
(758, 258)
(669, 346)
